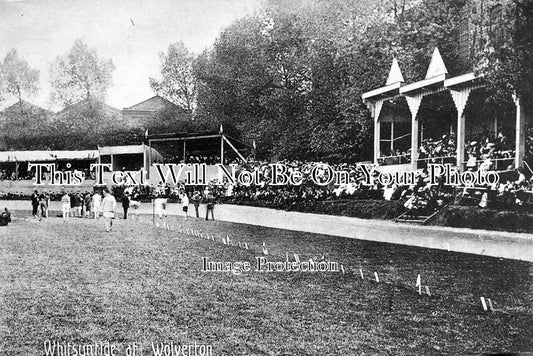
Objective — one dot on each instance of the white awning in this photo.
(47, 156)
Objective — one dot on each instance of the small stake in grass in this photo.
(376, 275)
(286, 256)
(490, 305)
(483, 303)
(361, 271)
(224, 241)
(342, 268)
(265, 250)
(427, 291)
(297, 258)
(246, 245)
(240, 244)
(419, 285)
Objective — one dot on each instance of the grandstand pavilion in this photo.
(440, 109)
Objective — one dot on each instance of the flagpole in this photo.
(221, 132)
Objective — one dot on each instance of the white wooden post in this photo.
(414, 104)
(520, 141)
(376, 110)
(221, 149)
(460, 98)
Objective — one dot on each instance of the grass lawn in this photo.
(73, 282)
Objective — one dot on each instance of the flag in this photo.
(253, 144)
(417, 281)
(146, 134)
(221, 129)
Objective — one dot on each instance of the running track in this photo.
(491, 243)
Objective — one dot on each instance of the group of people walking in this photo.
(94, 203)
(103, 203)
(160, 203)
(40, 203)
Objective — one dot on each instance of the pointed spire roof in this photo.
(395, 74)
(436, 66)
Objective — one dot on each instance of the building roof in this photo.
(153, 104)
(26, 106)
(81, 106)
(436, 77)
(47, 156)
(129, 149)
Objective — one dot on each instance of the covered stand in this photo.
(396, 112)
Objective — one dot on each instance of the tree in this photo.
(508, 67)
(81, 74)
(19, 79)
(291, 77)
(178, 83)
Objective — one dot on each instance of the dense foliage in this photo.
(292, 76)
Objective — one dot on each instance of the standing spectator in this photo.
(196, 200)
(485, 199)
(72, 204)
(47, 197)
(87, 205)
(34, 204)
(125, 204)
(160, 209)
(65, 206)
(210, 200)
(97, 204)
(185, 204)
(78, 203)
(43, 207)
(109, 204)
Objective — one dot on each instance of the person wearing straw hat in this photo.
(196, 200)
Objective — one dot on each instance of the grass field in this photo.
(73, 282)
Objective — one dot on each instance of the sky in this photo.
(131, 33)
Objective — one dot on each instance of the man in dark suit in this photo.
(34, 203)
(210, 200)
(125, 204)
